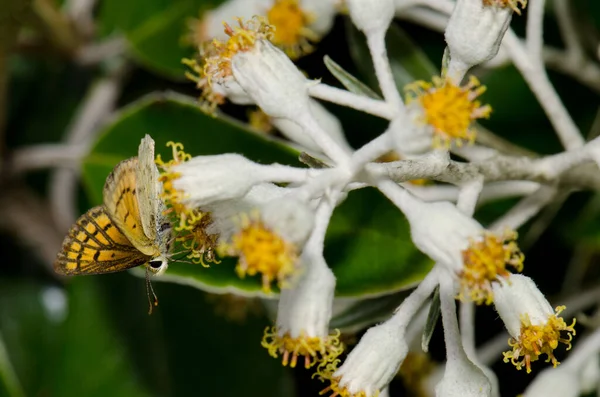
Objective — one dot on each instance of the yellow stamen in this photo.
(262, 250)
(513, 4)
(485, 262)
(536, 340)
(189, 223)
(313, 349)
(216, 58)
(291, 32)
(449, 109)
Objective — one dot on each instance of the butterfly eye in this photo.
(155, 264)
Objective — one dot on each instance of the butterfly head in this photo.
(158, 265)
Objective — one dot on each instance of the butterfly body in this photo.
(128, 230)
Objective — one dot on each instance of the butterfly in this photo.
(128, 230)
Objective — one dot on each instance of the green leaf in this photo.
(369, 248)
(9, 383)
(154, 29)
(368, 243)
(432, 319)
(366, 312)
(59, 350)
(185, 349)
(351, 83)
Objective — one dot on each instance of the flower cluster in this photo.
(274, 217)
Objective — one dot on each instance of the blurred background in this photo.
(81, 81)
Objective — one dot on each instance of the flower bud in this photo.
(474, 33)
(371, 15)
(271, 79)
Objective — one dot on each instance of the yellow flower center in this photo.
(514, 4)
(314, 349)
(449, 109)
(291, 32)
(190, 223)
(485, 262)
(415, 368)
(262, 250)
(536, 340)
(241, 38)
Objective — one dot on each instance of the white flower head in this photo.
(373, 363)
(462, 378)
(206, 179)
(229, 88)
(411, 138)
(224, 213)
(271, 79)
(212, 21)
(534, 326)
(269, 239)
(442, 231)
(303, 317)
(474, 33)
(590, 375)
(329, 123)
(322, 14)
(554, 382)
(371, 16)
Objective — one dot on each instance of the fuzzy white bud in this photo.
(207, 179)
(230, 89)
(371, 15)
(271, 79)
(474, 34)
(442, 231)
(306, 306)
(462, 378)
(375, 360)
(516, 297)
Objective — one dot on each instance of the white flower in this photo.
(554, 382)
(290, 218)
(271, 80)
(230, 89)
(212, 22)
(442, 231)
(224, 213)
(474, 33)
(303, 317)
(411, 138)
(206, 179)
(305, 308)
(374, 361)
(462, 378)
(371, 15)
(534, 326)
(322, 14)
(590, 375)
(329, 123)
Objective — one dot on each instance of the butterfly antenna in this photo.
(152, 301)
